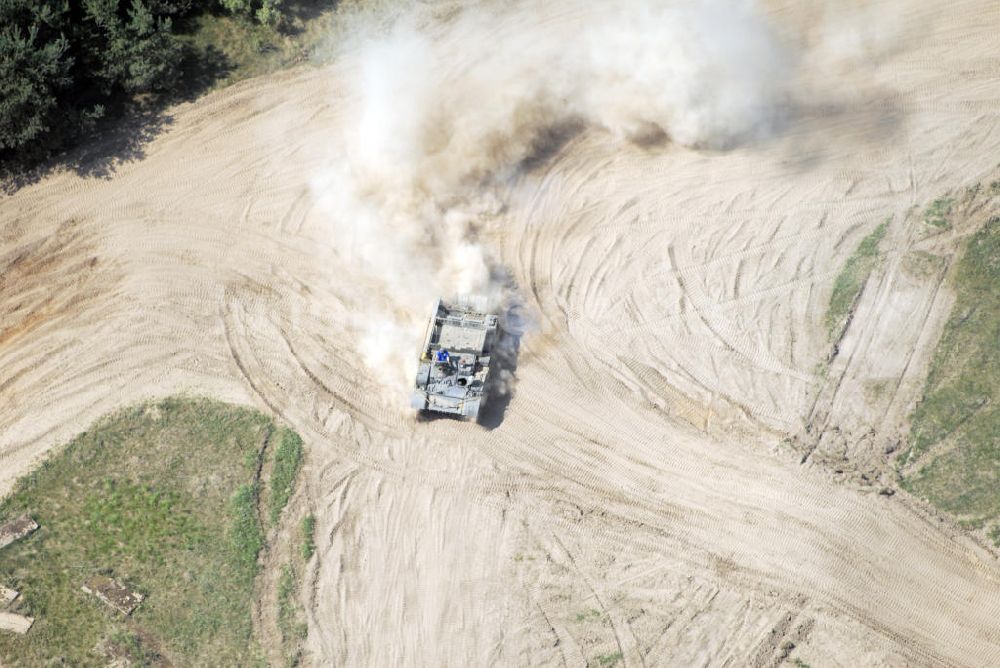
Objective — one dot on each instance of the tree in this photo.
(169, 7)
(269, 12)
(63, 62)
(34, 70)
(137, 53)
(237, 6)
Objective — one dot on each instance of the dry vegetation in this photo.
(232, 48)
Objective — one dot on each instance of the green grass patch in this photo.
(938, 212)
(287, 460)
(162, 497)
(308, 536)
(955, 428)
(851, 280)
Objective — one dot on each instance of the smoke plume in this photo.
(445, 110)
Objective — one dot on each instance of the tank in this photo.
(455, 360)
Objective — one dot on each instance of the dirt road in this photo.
(634, 500)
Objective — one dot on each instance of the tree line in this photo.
(65, 64)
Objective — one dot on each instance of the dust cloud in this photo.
(444, 114)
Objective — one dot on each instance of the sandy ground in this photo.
(636, 496)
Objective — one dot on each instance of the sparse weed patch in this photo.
(851, 280)
(293, 628)
(162, 497)
(875, 391)
(610, 659)
(588, 615)
(938, 211)
(923, 264)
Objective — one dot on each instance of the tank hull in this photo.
(455, 361)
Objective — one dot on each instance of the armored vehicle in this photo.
(455, 360)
